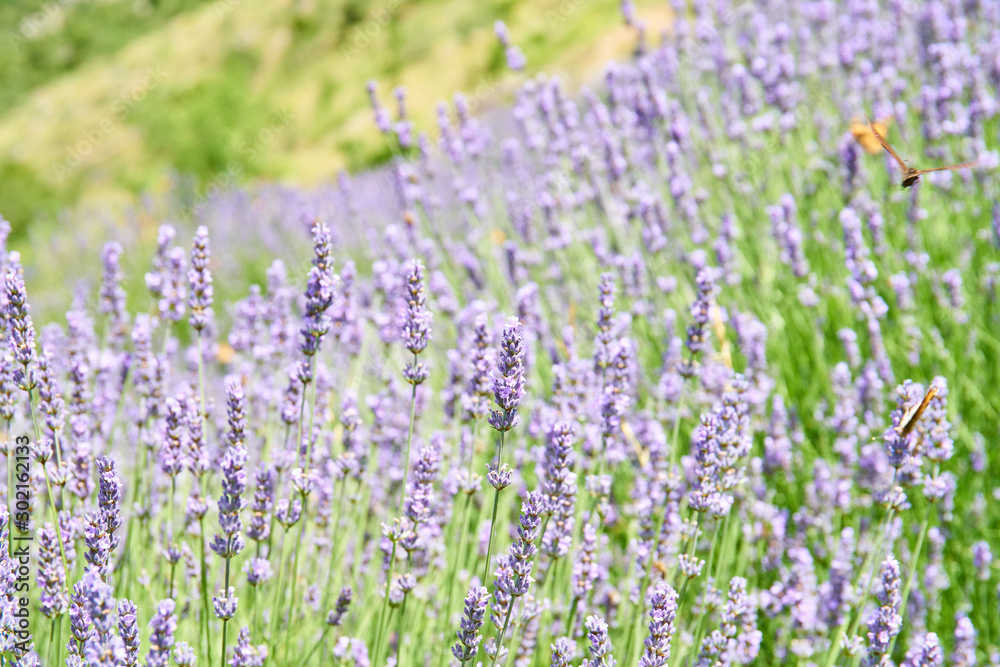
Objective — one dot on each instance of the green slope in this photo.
(113, 96)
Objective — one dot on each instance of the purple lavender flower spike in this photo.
(128, 630)
(230, 542)
(964, 649)
(106, 650)
(885, 623)
(336, 616)
(416, 328)
(21, 329)
(558, 487)
(51, 577)
(262, 504)
(200, 282)
(98, 542)
(156, 279)
(737, 636)
(225, 604)
(562, 652)
(523, 550)
(469, 637)
(928, 653)
(515, 59)
(79, 621)
(982, 558)
(600, 644)
(50, 401)
(586, 567)
(8, 401)
(382, 120)
(236, 414)
(475, 398)
(320, 290)
(605, 321)
(112, 303)
(246, 654)
(98, 602)
(508, 379)
(173, 300)
(696, 342)
(162, 627)
(288, 513)
(258, 571)
(109, 497)
(661, 627)
(184, 655)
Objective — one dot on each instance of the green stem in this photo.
(56, 446)
(52, 639)
(11, 506)
(55, 520)
(453, 575)
(334, 546)
(295, 575)
(277, 594)
(254, 611)
(409, 440)
(173, 569)
(661, 515)
(399, 628)
(496, 501)
(312, 415)
(315, 647)
(503, 631)
(204, 595)
(385, 604)
(725, 545)
(856, 620)
(225, 623)
(173, 493)
(302, 414)
(913, 568)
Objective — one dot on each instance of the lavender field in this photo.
(669, 371)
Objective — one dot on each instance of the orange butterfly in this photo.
(863, 134)
(911, 174)
(912, 414)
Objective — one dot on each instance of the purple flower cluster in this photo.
(717, 405)
(508, 378)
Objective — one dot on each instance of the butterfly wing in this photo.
(913, 413)
(885, 144)
(964, 165)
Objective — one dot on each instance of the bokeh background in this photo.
(116, 114)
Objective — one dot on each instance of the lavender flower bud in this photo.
(661, 627)
(885, 623)
(184, 655)
(258, 571)
(336, 617)
(508, 379)
(112, 296)
(225, 604)
(19, 325)
(600, 645)
(562, 652)
(128, 630)
(472, 621)
(247, 655)
(416, 328)
(229, 543)
(162, 627)
(200, 281)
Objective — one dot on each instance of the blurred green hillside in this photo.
(103, 99)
